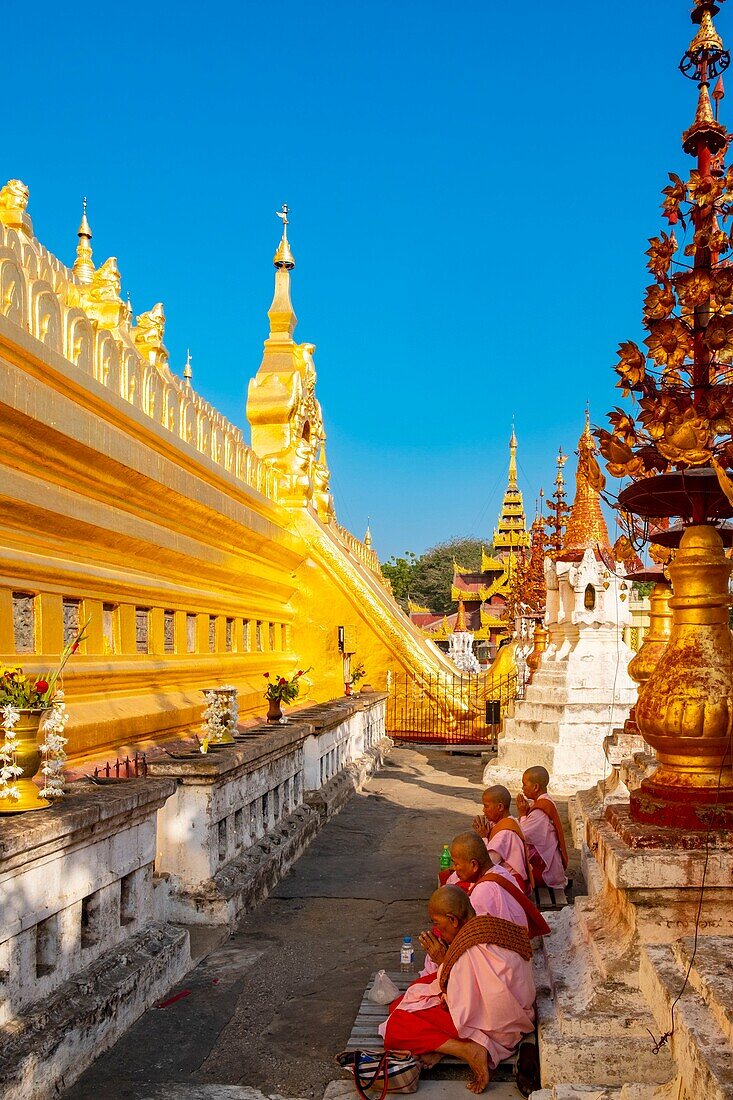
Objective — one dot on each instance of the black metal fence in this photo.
(453, 709)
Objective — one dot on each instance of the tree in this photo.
(400, 571)
(428, 580)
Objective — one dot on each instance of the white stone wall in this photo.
(241, 814)
(81, 954)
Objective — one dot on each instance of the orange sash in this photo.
(514, 827)
(538, 926)
(548, 807)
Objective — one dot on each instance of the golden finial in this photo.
(707, 38)
(281, 312)
(83, 266)
(284, 257)
(513, 458)
(460, 626)
(187, 370)
(705, 126)
(368, 536)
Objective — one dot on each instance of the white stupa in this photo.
(582, 689)
(460, 644)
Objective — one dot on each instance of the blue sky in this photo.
(472, 186)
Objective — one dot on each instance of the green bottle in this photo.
(445, 859)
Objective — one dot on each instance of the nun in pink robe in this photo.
(489, 999)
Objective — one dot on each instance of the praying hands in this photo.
(432, 946)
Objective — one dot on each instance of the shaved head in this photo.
(538, 775)
(498, 794)
(471, 846)
(451, 901)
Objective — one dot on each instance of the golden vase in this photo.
(685, 708)
(642, 665)
(27, 757)
(540, 645)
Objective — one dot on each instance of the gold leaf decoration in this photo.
(660, 252)
(718, 337)
(669, 342)
(631, 366)
(659, 302)
(686, 440)
(693, 288)
(704, 190)
(723, 480)
(624, 427)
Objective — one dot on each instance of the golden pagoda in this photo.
(511, 535)
(485, 592)
(586, 528)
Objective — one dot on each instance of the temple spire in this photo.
(83, 266)
(511, 533)
(368, 536)
(586, 527)
(460, 626)
(281, 312)
(513, 459)
(187, 370)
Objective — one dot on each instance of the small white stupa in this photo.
(460, 644)
(582, 689)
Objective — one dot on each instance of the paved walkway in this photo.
(271, 1007)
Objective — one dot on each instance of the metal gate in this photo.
(450, 709)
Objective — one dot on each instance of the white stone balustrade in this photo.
(78, 936)
(242, 814)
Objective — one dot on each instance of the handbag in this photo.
(377, 1072)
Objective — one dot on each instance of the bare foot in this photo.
(478, 1060)
(475, 1055)
(429, 1060)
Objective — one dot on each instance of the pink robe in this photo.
(507, 850)
(488, 900)
(542, 839)
(490, 998)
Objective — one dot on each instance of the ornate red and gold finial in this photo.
(678, 451)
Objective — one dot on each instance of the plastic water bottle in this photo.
(407, 954)
(445, 859)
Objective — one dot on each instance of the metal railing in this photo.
(452, 709)
(127, 768)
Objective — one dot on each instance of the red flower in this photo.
(75, 646)
(266, 675)
(301, 672)
(283, 680)
(41, 686)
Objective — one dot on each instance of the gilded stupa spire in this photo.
(461, 626)
(368, 536)
(83, 266)
(281, 312)
(187, 370)
(586, 527)
(513, 459)
(511, 532)
(558, 510)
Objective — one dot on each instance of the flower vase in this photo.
(27, 757)
(274, 710)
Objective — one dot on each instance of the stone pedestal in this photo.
(582, 689)
(607, 971)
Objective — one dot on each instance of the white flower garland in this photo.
(53, 749)
(9, 770)
(220, 715)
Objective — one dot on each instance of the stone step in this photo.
(88, 1013)
(703, 1014)
(591, 1030)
